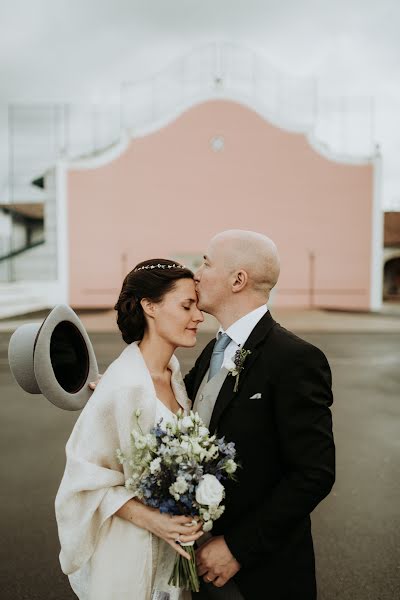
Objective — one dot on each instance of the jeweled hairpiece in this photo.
(158, 266)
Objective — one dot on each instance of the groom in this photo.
(279, 419)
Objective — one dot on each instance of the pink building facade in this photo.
(218, 166)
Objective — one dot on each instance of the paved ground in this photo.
(316, 320)
(356, 529)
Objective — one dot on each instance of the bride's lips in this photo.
(194, 329)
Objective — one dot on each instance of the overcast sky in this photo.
(61, 50)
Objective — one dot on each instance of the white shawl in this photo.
(105, 556)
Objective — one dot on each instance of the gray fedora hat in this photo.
(54, 358)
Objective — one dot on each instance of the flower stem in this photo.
(184, 573)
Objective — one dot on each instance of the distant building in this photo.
(391, 270)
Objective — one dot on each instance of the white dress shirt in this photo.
(240, 330)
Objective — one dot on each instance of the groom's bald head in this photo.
(239, 270)
(252, 252)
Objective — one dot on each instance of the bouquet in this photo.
(178, 467)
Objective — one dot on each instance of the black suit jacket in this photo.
(285, 445)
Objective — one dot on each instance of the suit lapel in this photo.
(254, 344)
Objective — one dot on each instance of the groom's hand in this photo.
(93, 384)
(215, 562)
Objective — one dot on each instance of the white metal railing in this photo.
(40, 134)
(215, 71)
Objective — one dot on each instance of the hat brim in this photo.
(20, 356)
(64, 359)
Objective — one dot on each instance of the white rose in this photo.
(209, 491)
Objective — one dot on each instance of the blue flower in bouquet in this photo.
(169, 506)
(157, 431)
(226, 448)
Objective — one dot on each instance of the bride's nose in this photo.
(198, 317)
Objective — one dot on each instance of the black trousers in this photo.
(208, 591)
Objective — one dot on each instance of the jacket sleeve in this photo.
(304, 425)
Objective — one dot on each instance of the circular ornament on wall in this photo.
(217, 143)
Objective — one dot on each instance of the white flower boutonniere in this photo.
(236, 366)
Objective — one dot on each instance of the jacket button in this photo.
(201, 397)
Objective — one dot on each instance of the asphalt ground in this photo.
(356, 529)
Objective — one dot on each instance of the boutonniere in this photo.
(236, 366)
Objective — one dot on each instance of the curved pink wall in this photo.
(170, 192)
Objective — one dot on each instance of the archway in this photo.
(391, 280)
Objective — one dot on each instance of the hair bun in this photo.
(130, 318)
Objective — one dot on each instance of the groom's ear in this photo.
(240, 281)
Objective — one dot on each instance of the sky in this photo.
(81, 50)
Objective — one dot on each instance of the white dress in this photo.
(164, 413)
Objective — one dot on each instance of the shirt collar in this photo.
(240, 330)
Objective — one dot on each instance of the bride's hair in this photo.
(150, 279)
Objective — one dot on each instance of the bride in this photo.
(112, 546)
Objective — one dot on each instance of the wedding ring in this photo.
(178, 540)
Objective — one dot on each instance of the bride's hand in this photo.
(172, 528)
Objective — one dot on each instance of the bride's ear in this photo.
(148, 307)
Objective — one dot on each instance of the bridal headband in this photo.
(158, 266)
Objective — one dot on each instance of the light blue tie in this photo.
(217, 357)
